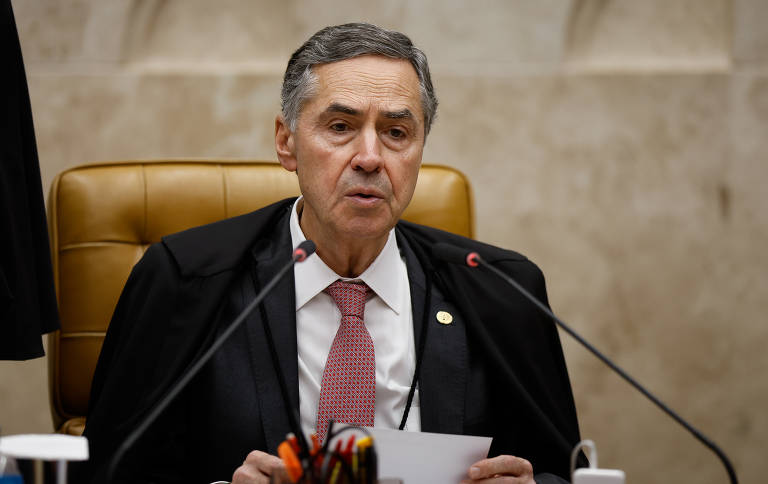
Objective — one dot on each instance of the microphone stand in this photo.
(304, 250)
(454, 254)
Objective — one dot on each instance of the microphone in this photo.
(304, 250)
(456, 255)
(300, 253)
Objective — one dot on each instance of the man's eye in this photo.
(339, 127)
(397, 133)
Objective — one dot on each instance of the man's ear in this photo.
(285, 144)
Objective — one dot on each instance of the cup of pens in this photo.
(347, 456)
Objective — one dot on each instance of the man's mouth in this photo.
(365, 197)
(365, 193)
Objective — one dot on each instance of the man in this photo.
(358, 103)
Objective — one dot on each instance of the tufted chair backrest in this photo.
(103, 216)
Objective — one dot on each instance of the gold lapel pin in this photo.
(444, 317)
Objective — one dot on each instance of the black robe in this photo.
(497, 370)
(27, 298)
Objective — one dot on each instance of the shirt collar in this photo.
(312, 276)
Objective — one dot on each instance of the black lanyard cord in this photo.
(422, 344)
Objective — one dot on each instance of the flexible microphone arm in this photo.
(300, 253)
(455, 255)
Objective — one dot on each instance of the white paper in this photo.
(419, 457)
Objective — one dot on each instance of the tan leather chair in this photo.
(103, 216)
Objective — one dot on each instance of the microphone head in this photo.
(455, 255)
(304, 250)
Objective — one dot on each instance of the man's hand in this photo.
(258, 467)
(501, 469)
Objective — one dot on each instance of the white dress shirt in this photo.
(389, 320)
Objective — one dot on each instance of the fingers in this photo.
(266, 464)
(257, 469)
(503, 468)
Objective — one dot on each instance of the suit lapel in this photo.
(442, 384)
(444, 367)
(280, 312)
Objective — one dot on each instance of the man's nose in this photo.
(368, 154)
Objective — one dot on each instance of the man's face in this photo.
(357, 147)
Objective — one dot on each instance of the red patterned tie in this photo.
(348, 389)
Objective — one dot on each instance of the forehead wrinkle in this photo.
(354, 88)
(347, 99)
(369, 81)
(354, 92)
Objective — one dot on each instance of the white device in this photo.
(50, 447)
(591, 474)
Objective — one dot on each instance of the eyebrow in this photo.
(402, 114)
(341, 108)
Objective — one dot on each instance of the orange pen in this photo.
(315, 443)
(291, 439)
(291, 460)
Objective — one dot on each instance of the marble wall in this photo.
(620, 144)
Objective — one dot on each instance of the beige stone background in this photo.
(620, 144)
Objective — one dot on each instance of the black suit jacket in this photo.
(497, 370)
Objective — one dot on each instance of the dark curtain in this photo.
(27, 298)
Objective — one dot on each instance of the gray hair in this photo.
(340, 42)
